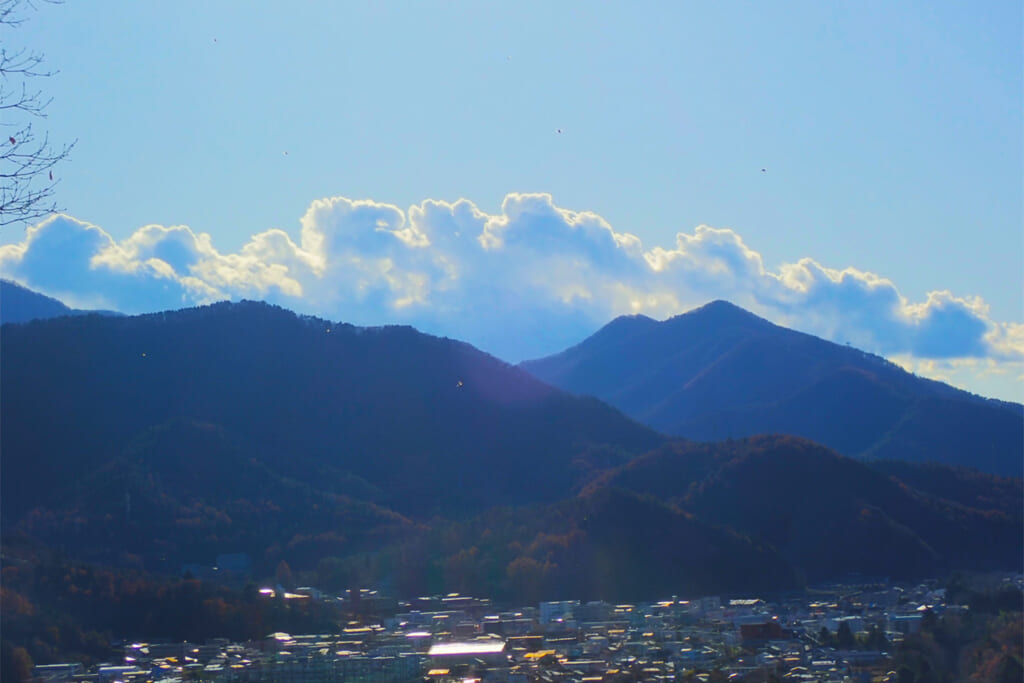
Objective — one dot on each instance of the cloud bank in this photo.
(525, 282)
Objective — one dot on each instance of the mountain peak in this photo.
(722, 304)
(629, 323)
(719, 371)
(720, 311)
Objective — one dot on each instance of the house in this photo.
(490, 652)
(553, 611)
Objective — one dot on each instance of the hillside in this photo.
(829, 514)
(721, 372)
(19, 304)
(605, 544)
(386, 457)
(412, 422)
(184, 492)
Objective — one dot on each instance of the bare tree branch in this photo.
(27, 183)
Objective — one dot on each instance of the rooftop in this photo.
(482, 647)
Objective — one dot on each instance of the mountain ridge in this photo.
(810, 502)
(720, 371)
(20, 304)
(389, 457)
(402, 403)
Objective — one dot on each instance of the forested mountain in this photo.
(423, 424)
(168, 438)
(184, 492)
(606, 544)
(388, 458)
(962, 485)
(20, 304)
(829, 514)
(719, 372)
(347, 452)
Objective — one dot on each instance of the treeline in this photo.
(54, 610)
(608, 544)
(979, 646)
(829, 514)
(185, 492)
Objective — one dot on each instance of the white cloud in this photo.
(526, 281)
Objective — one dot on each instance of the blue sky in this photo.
(315, 156)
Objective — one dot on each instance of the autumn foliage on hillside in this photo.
(54, 610)
(983, 645)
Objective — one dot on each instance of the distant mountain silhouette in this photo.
(720, 371)
(19, 304)
(416, 423)
(829, 514)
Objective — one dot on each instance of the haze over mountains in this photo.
(721, 372)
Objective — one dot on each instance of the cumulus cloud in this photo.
(58, 257)
(526, 281)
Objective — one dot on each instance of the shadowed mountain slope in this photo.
(184, 491)
(19, 304)
(606, 544)
(383, 456)
(960, 485)
(719, 372)
(829, 514)
(430, 424)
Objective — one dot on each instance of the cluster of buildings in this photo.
(838, 633)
